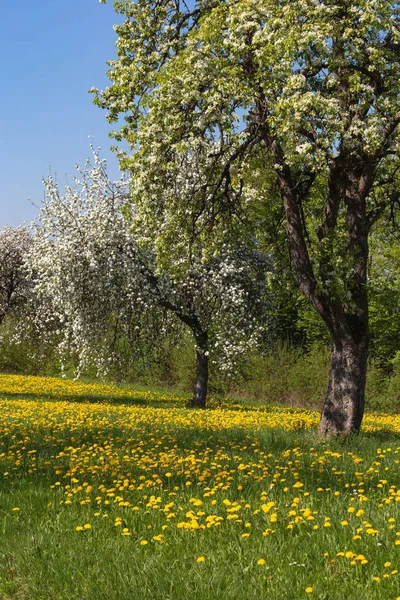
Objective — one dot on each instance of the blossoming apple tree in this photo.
(14, 285)
(306, 91)
(95, 279)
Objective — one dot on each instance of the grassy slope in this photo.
(255, 493)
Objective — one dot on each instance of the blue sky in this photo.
(51, 53)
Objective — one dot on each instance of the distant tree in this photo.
(14, 284)
(95, 282)
(304, 91)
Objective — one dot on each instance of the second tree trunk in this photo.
(201, 382)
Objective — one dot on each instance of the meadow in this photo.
(109, 492)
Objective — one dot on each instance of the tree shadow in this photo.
(91, 399)
(124, 400)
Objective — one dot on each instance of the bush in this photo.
(286, 375)
(26, 354)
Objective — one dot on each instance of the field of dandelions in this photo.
(112, 493)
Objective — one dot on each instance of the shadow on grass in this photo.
(124, 400)
(91, 399)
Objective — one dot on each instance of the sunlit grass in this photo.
(147, 499)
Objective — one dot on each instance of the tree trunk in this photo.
(201, 382)
(343, 409)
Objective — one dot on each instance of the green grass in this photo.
(227, 457)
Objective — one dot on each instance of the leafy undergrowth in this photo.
(130, 495)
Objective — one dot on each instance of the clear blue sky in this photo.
(51, 53)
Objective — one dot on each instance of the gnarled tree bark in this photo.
(343, 409)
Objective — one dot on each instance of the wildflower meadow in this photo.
(247, 251)
(112, 493)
